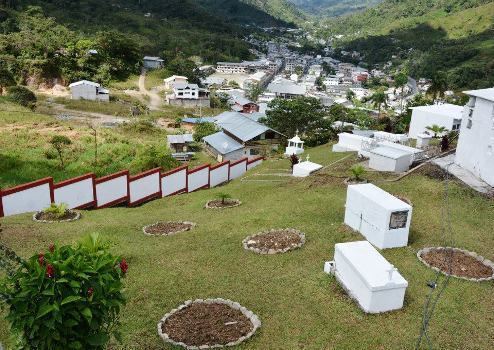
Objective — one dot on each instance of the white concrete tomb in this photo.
(384, 158)
(304, 169)
(368, 277)
(381, 218)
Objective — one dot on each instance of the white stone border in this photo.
(274, 251)
(477, 257)
(256, 323)
(77, 217)
(234, 203)
(192, 225)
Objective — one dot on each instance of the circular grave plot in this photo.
(466, 265)
(275, 241)
(168, 228)
(222, 204)
(208, 323)
(69, 215)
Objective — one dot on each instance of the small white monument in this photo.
(368, 277)
(304, 169)
(295, 146)
(423, 140)
(381, 218)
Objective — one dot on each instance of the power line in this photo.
(436, 288)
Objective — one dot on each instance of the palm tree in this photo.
(439, 86)
(379, 100)
(436, 129)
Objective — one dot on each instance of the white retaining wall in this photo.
(86, 191)
(219, 175)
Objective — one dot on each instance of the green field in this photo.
(300, 307)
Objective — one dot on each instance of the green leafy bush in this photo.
(66, 298)
(358, 172)
(22, 96)
(57, 210)
(203, 130)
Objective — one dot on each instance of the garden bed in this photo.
(220, 204)
(202, 324)
(69, 215)
(168, 228)
(275, 241)
(464, 264)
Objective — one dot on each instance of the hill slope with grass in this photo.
(454, 36)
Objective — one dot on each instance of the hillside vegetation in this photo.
(333, 8)
(454, 36)
(49, 41)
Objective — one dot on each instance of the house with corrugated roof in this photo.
(241, 136)
(88, 90)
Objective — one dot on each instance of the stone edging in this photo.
(235, 203)
(274, 251)
(256, 323)
(193, 224)
(77, 217)
(479, 258)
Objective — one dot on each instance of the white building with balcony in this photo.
(475, 150)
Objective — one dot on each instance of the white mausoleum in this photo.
(295, 146)
(368, 277)
(381, 218)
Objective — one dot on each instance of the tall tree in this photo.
(379, 99)
(439, 85)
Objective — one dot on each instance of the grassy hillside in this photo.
(451, 36)
(299, 305)
(333, 8)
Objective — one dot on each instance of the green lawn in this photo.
(300, 307)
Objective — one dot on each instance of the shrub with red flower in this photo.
(41, 259)
(124, 266)
(73, 292)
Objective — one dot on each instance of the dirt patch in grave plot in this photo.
(168, 228)
(432, 171)
(458, 263)
(69, 215)
(220, 204)
(275, 241)
(323, 179)
(208, 323)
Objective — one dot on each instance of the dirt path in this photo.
(155, 99)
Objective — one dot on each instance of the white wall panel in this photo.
(27, 200)
(75, 194)
(219, 175)
(144, 187)
(173, 183)
(238, 170)
(111, 190)
(198, 179)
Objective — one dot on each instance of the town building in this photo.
(243, 105)
(174, 79)
(88, 90)
(188, 95)
(446, 115)
(475, 149)
(287, 89)
(241, 136)
(179, 143)
(150, 62)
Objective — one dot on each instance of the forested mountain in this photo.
(281, 9)
(333, 8)
(455, 37)
(46, 40)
